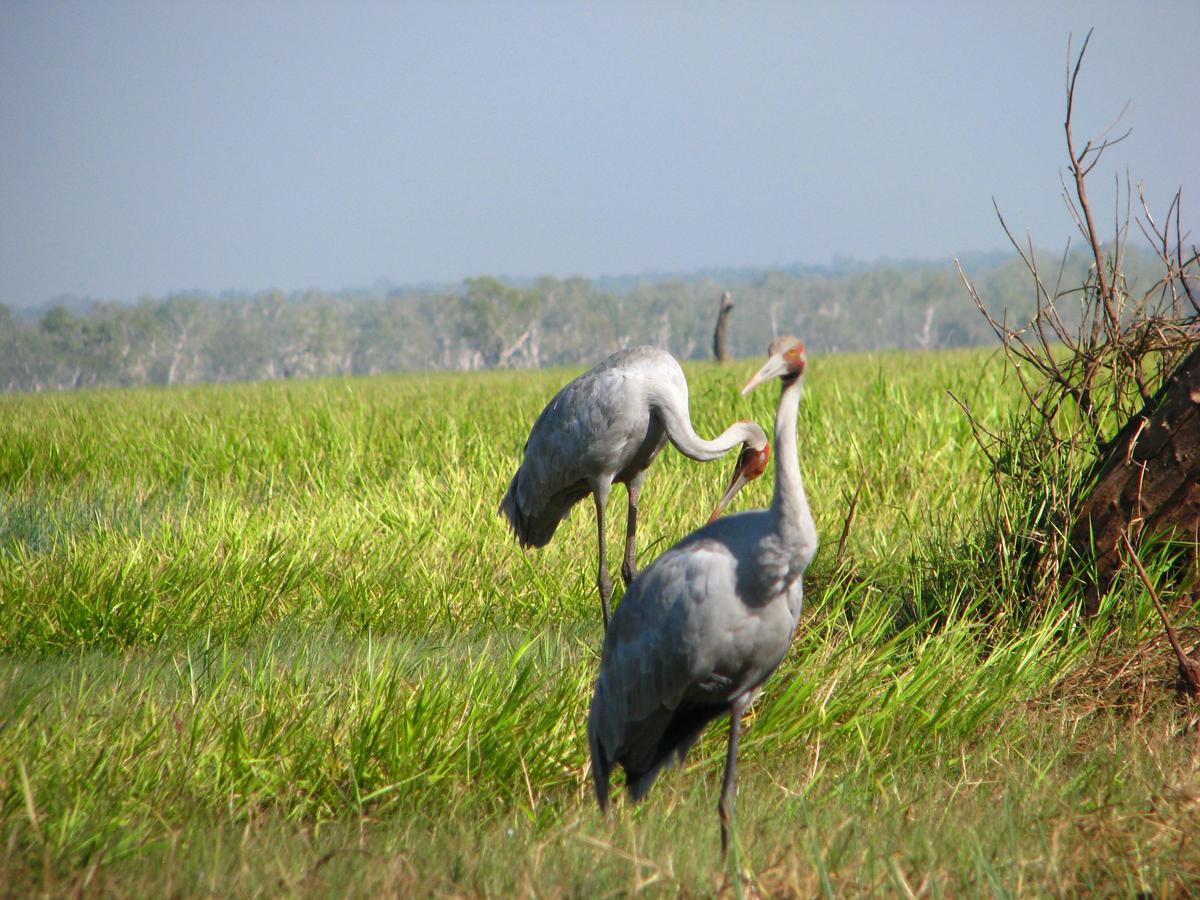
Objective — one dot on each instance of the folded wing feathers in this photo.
(638, 716)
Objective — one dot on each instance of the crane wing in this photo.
(660, 677)
(591, 430)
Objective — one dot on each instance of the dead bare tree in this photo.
(1110, 445)
(720, 354)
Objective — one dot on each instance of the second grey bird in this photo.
(606, 427)
(704, 626)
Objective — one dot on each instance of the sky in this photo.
(152, 148)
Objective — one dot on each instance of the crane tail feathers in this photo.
(601, 770)
(518, 521)
(684, 729)
(536, 529)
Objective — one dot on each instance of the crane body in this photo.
(702, 627)
(606, 427)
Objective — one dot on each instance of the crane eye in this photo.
(796, 358)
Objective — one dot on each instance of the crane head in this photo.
(786, 359)
(751, 463)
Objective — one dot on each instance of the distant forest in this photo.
(492, 323)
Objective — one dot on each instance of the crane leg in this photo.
(603, 581)
(725, 805)
(629, 565)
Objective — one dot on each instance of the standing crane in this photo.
(705, 624)
(606, 427)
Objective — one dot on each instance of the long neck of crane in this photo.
(678, 425)
(793, 516)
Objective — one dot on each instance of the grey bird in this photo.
(705, 624)
(606, 427)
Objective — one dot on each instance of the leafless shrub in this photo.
(1096, 363)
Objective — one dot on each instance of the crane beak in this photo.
(740, 480)
(751, 463)
(772, 368)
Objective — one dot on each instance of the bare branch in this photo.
(1188, 668)
(1091, 357)
(1081, 192)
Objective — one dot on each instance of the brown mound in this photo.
(1133, 681)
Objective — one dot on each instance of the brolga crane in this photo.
(705, 624)
(606, 427)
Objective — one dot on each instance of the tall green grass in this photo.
(274, 638)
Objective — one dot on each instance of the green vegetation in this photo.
(272, 638)
(488, 323)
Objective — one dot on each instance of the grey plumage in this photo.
(701, 629)
(602, 422)
(605, 427)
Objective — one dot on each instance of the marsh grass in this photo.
(273, 638)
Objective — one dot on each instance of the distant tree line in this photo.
(490, 323)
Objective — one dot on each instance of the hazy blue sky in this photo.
(156, 147)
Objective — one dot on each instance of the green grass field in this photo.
(273, 639)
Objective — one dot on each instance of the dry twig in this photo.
(1091, 361)
(1189, 669)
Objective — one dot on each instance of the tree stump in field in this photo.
(719, 352)
(1148, 481)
